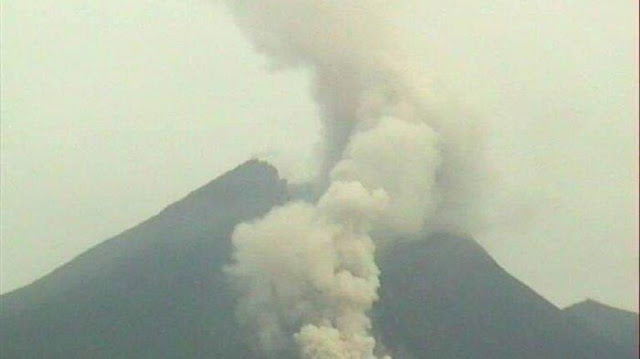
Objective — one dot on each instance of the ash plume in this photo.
(306, 272)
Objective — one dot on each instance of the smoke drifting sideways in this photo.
(393, 161)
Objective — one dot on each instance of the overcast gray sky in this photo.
(112, 110)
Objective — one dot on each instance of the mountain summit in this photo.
(155, 291)
(158, 291)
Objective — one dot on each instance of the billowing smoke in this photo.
(306, 272)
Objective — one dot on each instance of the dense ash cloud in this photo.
(393, 160)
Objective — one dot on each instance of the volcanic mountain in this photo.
(158, 290)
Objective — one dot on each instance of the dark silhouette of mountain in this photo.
(447, 298)
(154, 291)
(158, 291)
(619, 326)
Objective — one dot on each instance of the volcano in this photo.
(158, 290)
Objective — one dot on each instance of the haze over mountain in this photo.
(158, 291)
(170, 99)
(619, 326)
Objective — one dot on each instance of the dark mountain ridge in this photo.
(154, 291)
(619, 326)
(158, 291)
(469, 307)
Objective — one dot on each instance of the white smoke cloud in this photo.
(310, 269)
(323, 342)
(356, 52)
(348, 45)
(401, 157)
(306, 273)
(310, 265)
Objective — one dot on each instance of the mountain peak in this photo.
(592, 304)
(617, 325)
(241, 194)
(250, 183)
(252, 166)
(159, 290)
(254, 172)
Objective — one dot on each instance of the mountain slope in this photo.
(154, 291)
(447, 298)
(158, 291)
(619, 326)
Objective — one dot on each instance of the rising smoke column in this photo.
(309, 269)
(306, 272)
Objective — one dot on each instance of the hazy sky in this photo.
(112, 110)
